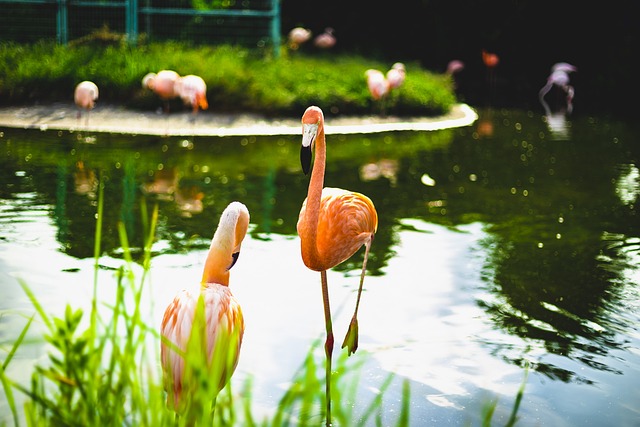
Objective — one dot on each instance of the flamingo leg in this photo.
(351, 339)
(328, 345)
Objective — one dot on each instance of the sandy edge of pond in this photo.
(114, 119)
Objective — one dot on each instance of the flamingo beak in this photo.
(234, 259)
(309, 133)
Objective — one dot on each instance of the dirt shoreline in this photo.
(114, 119)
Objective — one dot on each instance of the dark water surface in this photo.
(511, 243)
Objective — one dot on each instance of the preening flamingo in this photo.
(559, 77)
(162, 84)
(396, 75)
(85, 96)
(333, 224)
(202, 331)
(378, 86)
(298, 36)
(325, 40)
(193, 92)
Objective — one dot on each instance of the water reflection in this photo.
(498, 247)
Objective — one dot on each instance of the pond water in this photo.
(508, 244)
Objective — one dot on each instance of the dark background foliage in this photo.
(529, 36)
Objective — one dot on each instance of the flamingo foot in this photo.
(351, 339)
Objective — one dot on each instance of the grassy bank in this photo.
(238, 80)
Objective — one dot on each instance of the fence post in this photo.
(275, 27)
(131, 22)
(62, 28)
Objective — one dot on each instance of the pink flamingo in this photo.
(202, 331)
(559, 77)
(396, 75)
(298, 36)
(193, 92)
(378, 86)
(85, 96)
(333, 225)
(162, 84)
(325, 40)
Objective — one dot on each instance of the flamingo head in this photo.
(312, 120)
(147, 80)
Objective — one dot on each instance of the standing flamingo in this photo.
(333, 224)
(193, 92)
(202, 331)
(325, 40)
(298, 36)
(162, 84)
(490, 61)
(396, 75)
(378, 86)
(85, 96)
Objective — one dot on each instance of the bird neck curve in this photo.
(314, 195)
(226, 241)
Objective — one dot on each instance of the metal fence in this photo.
(245, 22)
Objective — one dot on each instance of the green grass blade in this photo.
(34, 301)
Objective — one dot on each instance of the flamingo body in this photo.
(193, 91)
(221, 326)
(325, 40)
(338, 239)
(396, 75)
(377, 84)
(85, 95)
(162, 84)
(298, 36)
(490, 59)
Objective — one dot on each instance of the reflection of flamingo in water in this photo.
(189, 200)
(559, 78)
(333, 225)
(164, 184)
(207, 326)
(85, 181)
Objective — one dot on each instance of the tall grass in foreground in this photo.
(106, 373)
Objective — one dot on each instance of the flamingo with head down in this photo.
(162, 84)
(202, 331)
(85, 96)
(193, 91)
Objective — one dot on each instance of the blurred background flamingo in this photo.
(162, 84)
(396, 75)
(490, 61)
(298, 36)
(378, 86)
(202, 331)
(333, 225)
(559, 78)
(454, 67)
(326, 40)
(85, 96)
(193, 91)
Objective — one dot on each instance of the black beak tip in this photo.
(305, 159)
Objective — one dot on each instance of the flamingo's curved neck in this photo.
(314, 194)
(226, 241)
